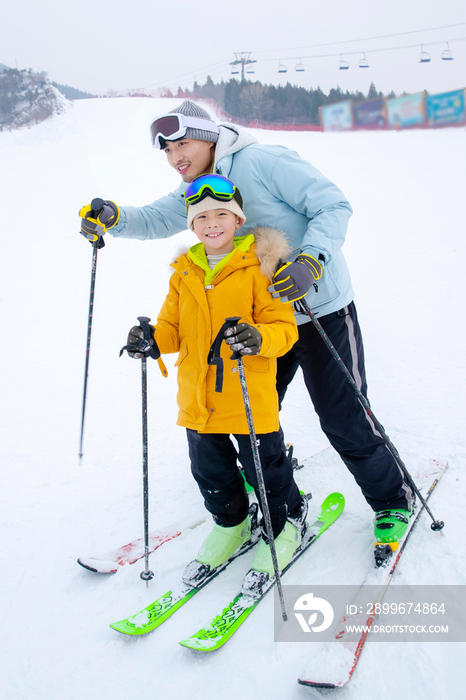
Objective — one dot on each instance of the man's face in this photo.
(190, 157)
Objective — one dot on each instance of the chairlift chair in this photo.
(363, 63)
(250, 69)
(447, 54)
(282, 68)
(299, 68)
(344, 65)
(424, 57)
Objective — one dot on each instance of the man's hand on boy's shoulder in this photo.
(244, 339)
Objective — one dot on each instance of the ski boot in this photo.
(286, 544)
(221, 545)
(390, 527)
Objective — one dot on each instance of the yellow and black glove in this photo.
(96, 218)
(293, 280)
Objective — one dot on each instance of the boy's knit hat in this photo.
(209, 203)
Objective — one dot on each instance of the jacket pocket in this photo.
(256, 363)
(181, 355)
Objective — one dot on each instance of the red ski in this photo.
(336, 662)
(109, 562)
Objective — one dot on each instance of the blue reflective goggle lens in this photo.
(219, 186)
(215, 186)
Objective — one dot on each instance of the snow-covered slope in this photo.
(406, 250)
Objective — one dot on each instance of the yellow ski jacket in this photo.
(198, 302)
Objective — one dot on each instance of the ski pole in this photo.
(144, 346)
(232, 321)
(96, 206)
(436, 524)
(146, 575)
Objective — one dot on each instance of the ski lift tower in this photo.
(243, 59)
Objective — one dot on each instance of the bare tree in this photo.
(254, 101)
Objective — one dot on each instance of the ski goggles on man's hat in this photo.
(171, 127)
(216, 186)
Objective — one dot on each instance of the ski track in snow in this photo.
(406, 251)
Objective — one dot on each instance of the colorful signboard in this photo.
(370, 114)
(446, 108)
(406, 111)
(337, 117)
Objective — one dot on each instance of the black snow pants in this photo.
(214, 466)
(344, 420)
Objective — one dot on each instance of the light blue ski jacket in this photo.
(280, 190)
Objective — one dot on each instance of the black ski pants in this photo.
(214, 466)
(344, 420)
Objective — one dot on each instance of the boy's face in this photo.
(190, 157)
(216, 230)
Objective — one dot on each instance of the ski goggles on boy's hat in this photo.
(213, 192)
(171, 127)
(215, 186)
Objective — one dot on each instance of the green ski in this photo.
(225, 625)
(161, 609)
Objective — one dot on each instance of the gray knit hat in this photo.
(191, 109)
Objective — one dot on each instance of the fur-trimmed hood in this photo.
(272, 248)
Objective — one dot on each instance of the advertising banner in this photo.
(406, 111)
(337, 117)
(446, 108)
(370, 114)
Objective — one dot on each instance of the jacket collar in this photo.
(271, 249)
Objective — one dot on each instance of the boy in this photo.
(219, 277)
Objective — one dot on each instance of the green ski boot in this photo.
(390, 527)
(286, 543)
(222, 542)
(221, 545)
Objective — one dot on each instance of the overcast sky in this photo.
(102, 45)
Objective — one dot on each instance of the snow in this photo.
(406, 250)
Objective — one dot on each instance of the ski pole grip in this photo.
(143, 319)
(144, 344)
(232, 321)
(96, 206)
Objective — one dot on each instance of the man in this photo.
(285, 192)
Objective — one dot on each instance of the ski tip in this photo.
(128, 626)
(98, 566)
(316, 684)
(198, 644)
(119, 626)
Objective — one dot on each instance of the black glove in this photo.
(97, 217)
(244, 338)
(136, 339)
(294, 280)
